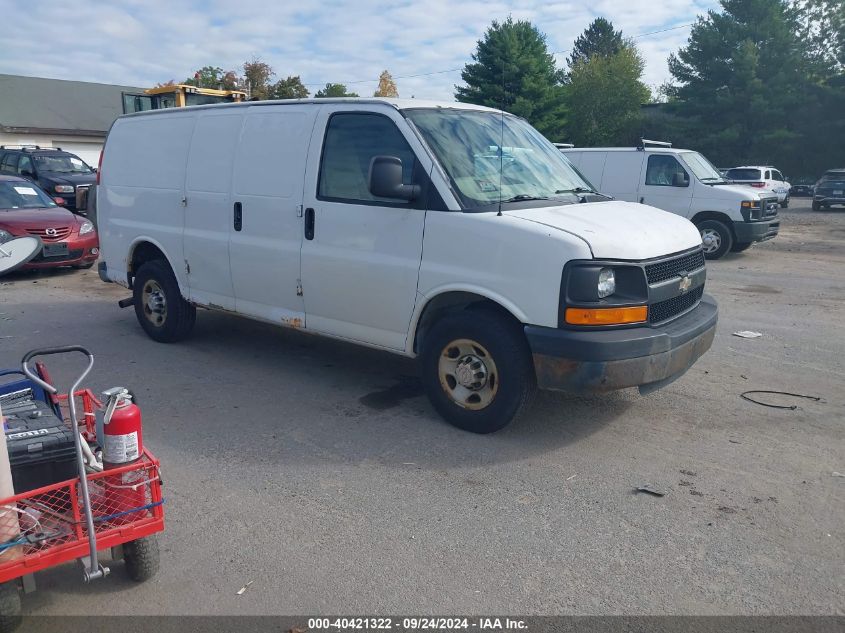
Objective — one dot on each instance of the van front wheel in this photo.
(165, 316)
(716, 238)
(477, 370)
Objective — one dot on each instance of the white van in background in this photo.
(447, 231)
(729, 217)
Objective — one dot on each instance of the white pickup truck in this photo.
(449, 232)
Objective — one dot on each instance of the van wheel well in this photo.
(714, 215)
(143, 253)
(450, 302)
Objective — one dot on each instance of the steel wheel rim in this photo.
(711, 240)
(154, 303)
(468, 374)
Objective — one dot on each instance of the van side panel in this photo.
(503, 258)
(622, 175)
(267, 183)
(141, 190)
(208, 215)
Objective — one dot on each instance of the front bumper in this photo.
(79, 254)
(829, 199)
(585, 361)
(758, 231)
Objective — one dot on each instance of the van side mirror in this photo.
(680, 180)
(27, 174)
(385, 179)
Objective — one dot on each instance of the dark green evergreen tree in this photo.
(513, 70)
(597, 39)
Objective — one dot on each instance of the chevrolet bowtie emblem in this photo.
(685, 284)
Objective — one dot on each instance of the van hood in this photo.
(738, 193)
(618, 230)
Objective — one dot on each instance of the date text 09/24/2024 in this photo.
(415, 623)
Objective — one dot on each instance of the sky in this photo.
(145, 42)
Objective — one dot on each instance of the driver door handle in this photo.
(309, 223)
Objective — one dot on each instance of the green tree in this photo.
(334, 90)
(605, 95)
(741, 83)
(290, 88)
(257, 76)
(386, 86)
(513, 70)
(597, 39)
(823, 28)
(213, 77)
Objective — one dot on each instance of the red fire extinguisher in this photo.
(122, 445)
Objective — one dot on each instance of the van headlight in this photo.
(607, 283)
(86, 227)
(63, 188)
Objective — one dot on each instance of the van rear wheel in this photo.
(477, 370)
(165, 316)
(716, 238)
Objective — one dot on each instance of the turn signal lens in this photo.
(606, 316)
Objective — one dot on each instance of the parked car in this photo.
(25, 209)
(450, 232)
(802, 189)
(762, 177)
(729, 217)
(58, 173)
(830, 189)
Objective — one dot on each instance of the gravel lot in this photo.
(317, 470)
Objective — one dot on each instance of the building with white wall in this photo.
(73, 115)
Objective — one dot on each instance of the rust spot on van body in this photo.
(294, 322)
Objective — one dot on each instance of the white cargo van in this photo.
(729, 217)
(446, 231)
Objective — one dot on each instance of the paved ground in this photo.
(317, 470)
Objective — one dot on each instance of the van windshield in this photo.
(491, 158)
(702, 168)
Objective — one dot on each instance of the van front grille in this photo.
(661, 271)
(663, 310)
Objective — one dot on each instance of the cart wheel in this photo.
(141, 558)
(10, 607)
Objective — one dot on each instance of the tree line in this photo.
(256, 81)
(758, 82)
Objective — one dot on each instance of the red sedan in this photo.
(69, 240)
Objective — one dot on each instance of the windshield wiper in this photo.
(584, 190)
(523, 197)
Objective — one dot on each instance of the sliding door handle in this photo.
(309, 224)
(239, 216)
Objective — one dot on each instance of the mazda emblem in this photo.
(51, 232)
(685, 284)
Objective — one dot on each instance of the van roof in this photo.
(399, 104)
(662, 150)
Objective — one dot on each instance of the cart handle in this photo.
(47, 351)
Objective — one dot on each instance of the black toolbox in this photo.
(40, 444)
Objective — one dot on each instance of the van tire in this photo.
(719, 232)
(738, 247)
(816, 206)
(509, 381)
(785, 203)
(173, 318)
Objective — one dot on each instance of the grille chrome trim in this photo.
(672, 267)
(61, 233)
